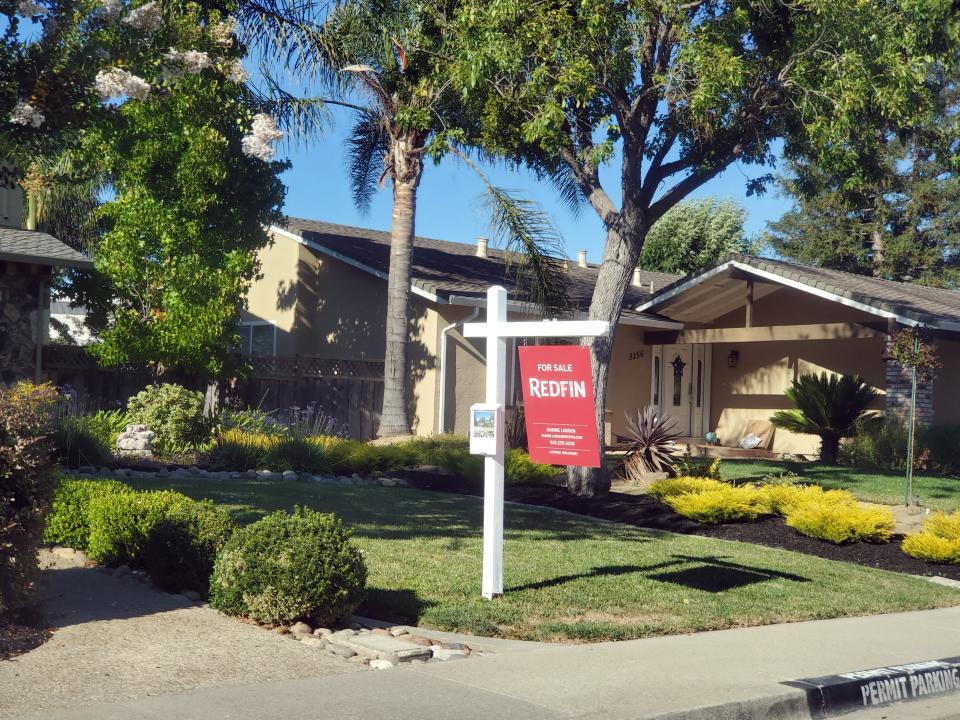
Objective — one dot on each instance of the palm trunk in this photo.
(622, 250)
(407, 169)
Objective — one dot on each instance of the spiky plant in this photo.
(652, 446)
(827, 405)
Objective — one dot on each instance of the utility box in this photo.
(486, 429)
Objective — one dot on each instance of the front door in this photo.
(677, 374)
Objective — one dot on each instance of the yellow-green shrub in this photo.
(841, 522)
(786, 498)
(932, 548)
(722, 504)
(663, 489)
(938, 541)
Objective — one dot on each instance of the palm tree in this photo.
(827, 405)
(383, 60)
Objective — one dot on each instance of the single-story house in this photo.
(714, 350)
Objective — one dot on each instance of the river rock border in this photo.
(196, 473)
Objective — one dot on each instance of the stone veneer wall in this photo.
(19, 294)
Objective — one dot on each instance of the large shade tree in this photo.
(387, 62)
(675, 92)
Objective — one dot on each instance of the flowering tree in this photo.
(151, 101)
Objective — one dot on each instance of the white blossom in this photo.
(222, 32)
(110, 9)
(196, 61)
(24, 113)
(116, 82)
(28, 8)
(145, 18)
(235, 72)
(262, 135)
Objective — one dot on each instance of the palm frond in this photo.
(66, 199)
(366, 152)
(563, 181)
(302, 119)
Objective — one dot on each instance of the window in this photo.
(258, 338)
(678, 366)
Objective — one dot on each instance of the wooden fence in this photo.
(350, 391)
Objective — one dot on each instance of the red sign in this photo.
(558, 405)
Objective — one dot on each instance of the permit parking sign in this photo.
(558, 405)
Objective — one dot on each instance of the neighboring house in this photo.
(68, 324)
(27, 259)
(714, 350)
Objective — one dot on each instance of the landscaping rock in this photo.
(398, 631)
(251, 473)
(382, 646)
(419, 640)
(121, 571)
(311, 641)
(380, 631)
(64, 552)
(388, 482)
(86, 470)
(323, 632)
(301, 628)
(288, 475)
(381, 664)
(342, 651)
(136, 440)
(454, 646)
(191, 595)
(358, 660)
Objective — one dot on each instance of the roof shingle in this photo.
(447, 268)
(31, 246)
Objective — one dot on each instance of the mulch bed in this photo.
(642, 511)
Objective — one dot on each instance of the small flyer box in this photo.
(486, 429)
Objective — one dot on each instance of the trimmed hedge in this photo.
(69, 520)
(938, 540)
(670, 487)
(121, 522)
(284, 568)
(723, 504)
(841, 522)
(181, 549)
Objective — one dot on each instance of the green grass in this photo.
(568, 578)
(879, 486)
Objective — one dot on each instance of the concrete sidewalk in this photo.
(717, 675)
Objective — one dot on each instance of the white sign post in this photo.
(496, 330)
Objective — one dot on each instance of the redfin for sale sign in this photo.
(558, 405)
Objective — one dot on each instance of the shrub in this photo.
(174, 413)
(941, 443)
(826, 405)
(689, 466)
(723, 504)
(180, 550)
(69, 520)
(300, 454)
(938, 541)
(841, 522)
(120, 523)
(238, 450)
(26, 489)
(88, 439)
(663, 489)
(784, 498)
(289, 567)
(651, 444)
(877, 445)
(521, 470)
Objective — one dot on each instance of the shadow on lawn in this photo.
(399, 606)
(709, 574)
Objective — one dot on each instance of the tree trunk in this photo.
(829, 448)
(407, 169)
(622, 250)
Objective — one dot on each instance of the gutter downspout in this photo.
(38, 348)
(441, 410)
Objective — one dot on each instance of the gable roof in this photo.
(443, 270)
(31, 246)
(913, 305)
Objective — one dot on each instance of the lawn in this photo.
(568, 578)
(878, 486)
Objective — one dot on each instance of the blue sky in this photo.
(448, 206)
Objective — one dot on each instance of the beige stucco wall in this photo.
(755, 388)
(628, 389)
(272, 297)
(786, 306)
